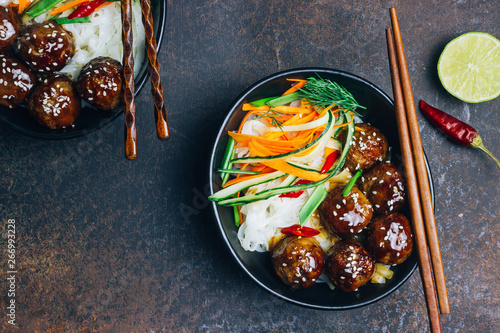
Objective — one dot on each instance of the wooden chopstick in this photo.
(156, 86)
(413, 196)
(129, 86)
(421, 169)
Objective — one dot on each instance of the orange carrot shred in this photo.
(65, 7)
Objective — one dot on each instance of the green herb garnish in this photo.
(321, 93)
(271, 114)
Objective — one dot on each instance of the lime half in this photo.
(469, 67)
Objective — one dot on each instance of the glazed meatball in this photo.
(46, 47)
(348, 265)
(298, 261)
(390, 239)
(100, 83)
(345, 216)
(368, 147)
(10, 28)
(383, 186)
(54, 102)
(16, 81)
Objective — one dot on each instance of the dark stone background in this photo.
(103, 245)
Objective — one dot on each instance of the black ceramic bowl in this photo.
(90, 119)
(380, 113)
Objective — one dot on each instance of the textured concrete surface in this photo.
(111, 245)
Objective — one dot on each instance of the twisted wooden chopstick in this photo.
(156, 86)
(129, 86)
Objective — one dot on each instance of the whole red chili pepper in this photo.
(297, 230)
(85, 9)
(330, 159)
(455, 129)
(295, 194)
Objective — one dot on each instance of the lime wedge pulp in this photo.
(469, 67)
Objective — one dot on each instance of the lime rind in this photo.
(469, 67)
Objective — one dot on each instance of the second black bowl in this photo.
(89, 120)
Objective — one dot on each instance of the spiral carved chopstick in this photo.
(129, 86)
(156, 86)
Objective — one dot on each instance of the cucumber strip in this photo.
(233, 189)
(312, 203)
(245, 172)
(226, 160)
(261, 102)
(259, 159)
(282, 100)
(285, 189)
(318, 150)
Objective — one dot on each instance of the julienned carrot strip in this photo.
(344, 125)
(23, 4)
(256, 149)
(65, 7)
(302, 120)
(294, 88)
(283, 166)
(324, 111)
(262, 168)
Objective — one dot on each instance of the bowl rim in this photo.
(139, 84)
(232, 110)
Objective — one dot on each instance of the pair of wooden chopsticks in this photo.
(128, 73)
(419, 193)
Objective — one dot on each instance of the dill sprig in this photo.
(323, 93)
(272, 114)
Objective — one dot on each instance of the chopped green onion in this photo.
(226, 160)
(312, 203)
(351, 183)
(236, 213)
(282, 100)
(262, 102)
(246, 172)
(65, 20)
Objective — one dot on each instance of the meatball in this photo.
(54, 102)
(100, 83)
(383, 186)
(390, 238)
(298, 261)
(16, 81)
(46, 47)
(348, 265)
(345, 216)
(10, 27)
(368, 147)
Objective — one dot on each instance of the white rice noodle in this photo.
(264, 219)
(103, 37)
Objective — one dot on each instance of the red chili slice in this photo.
(297, 230)
(330, 159)
(295, 194)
